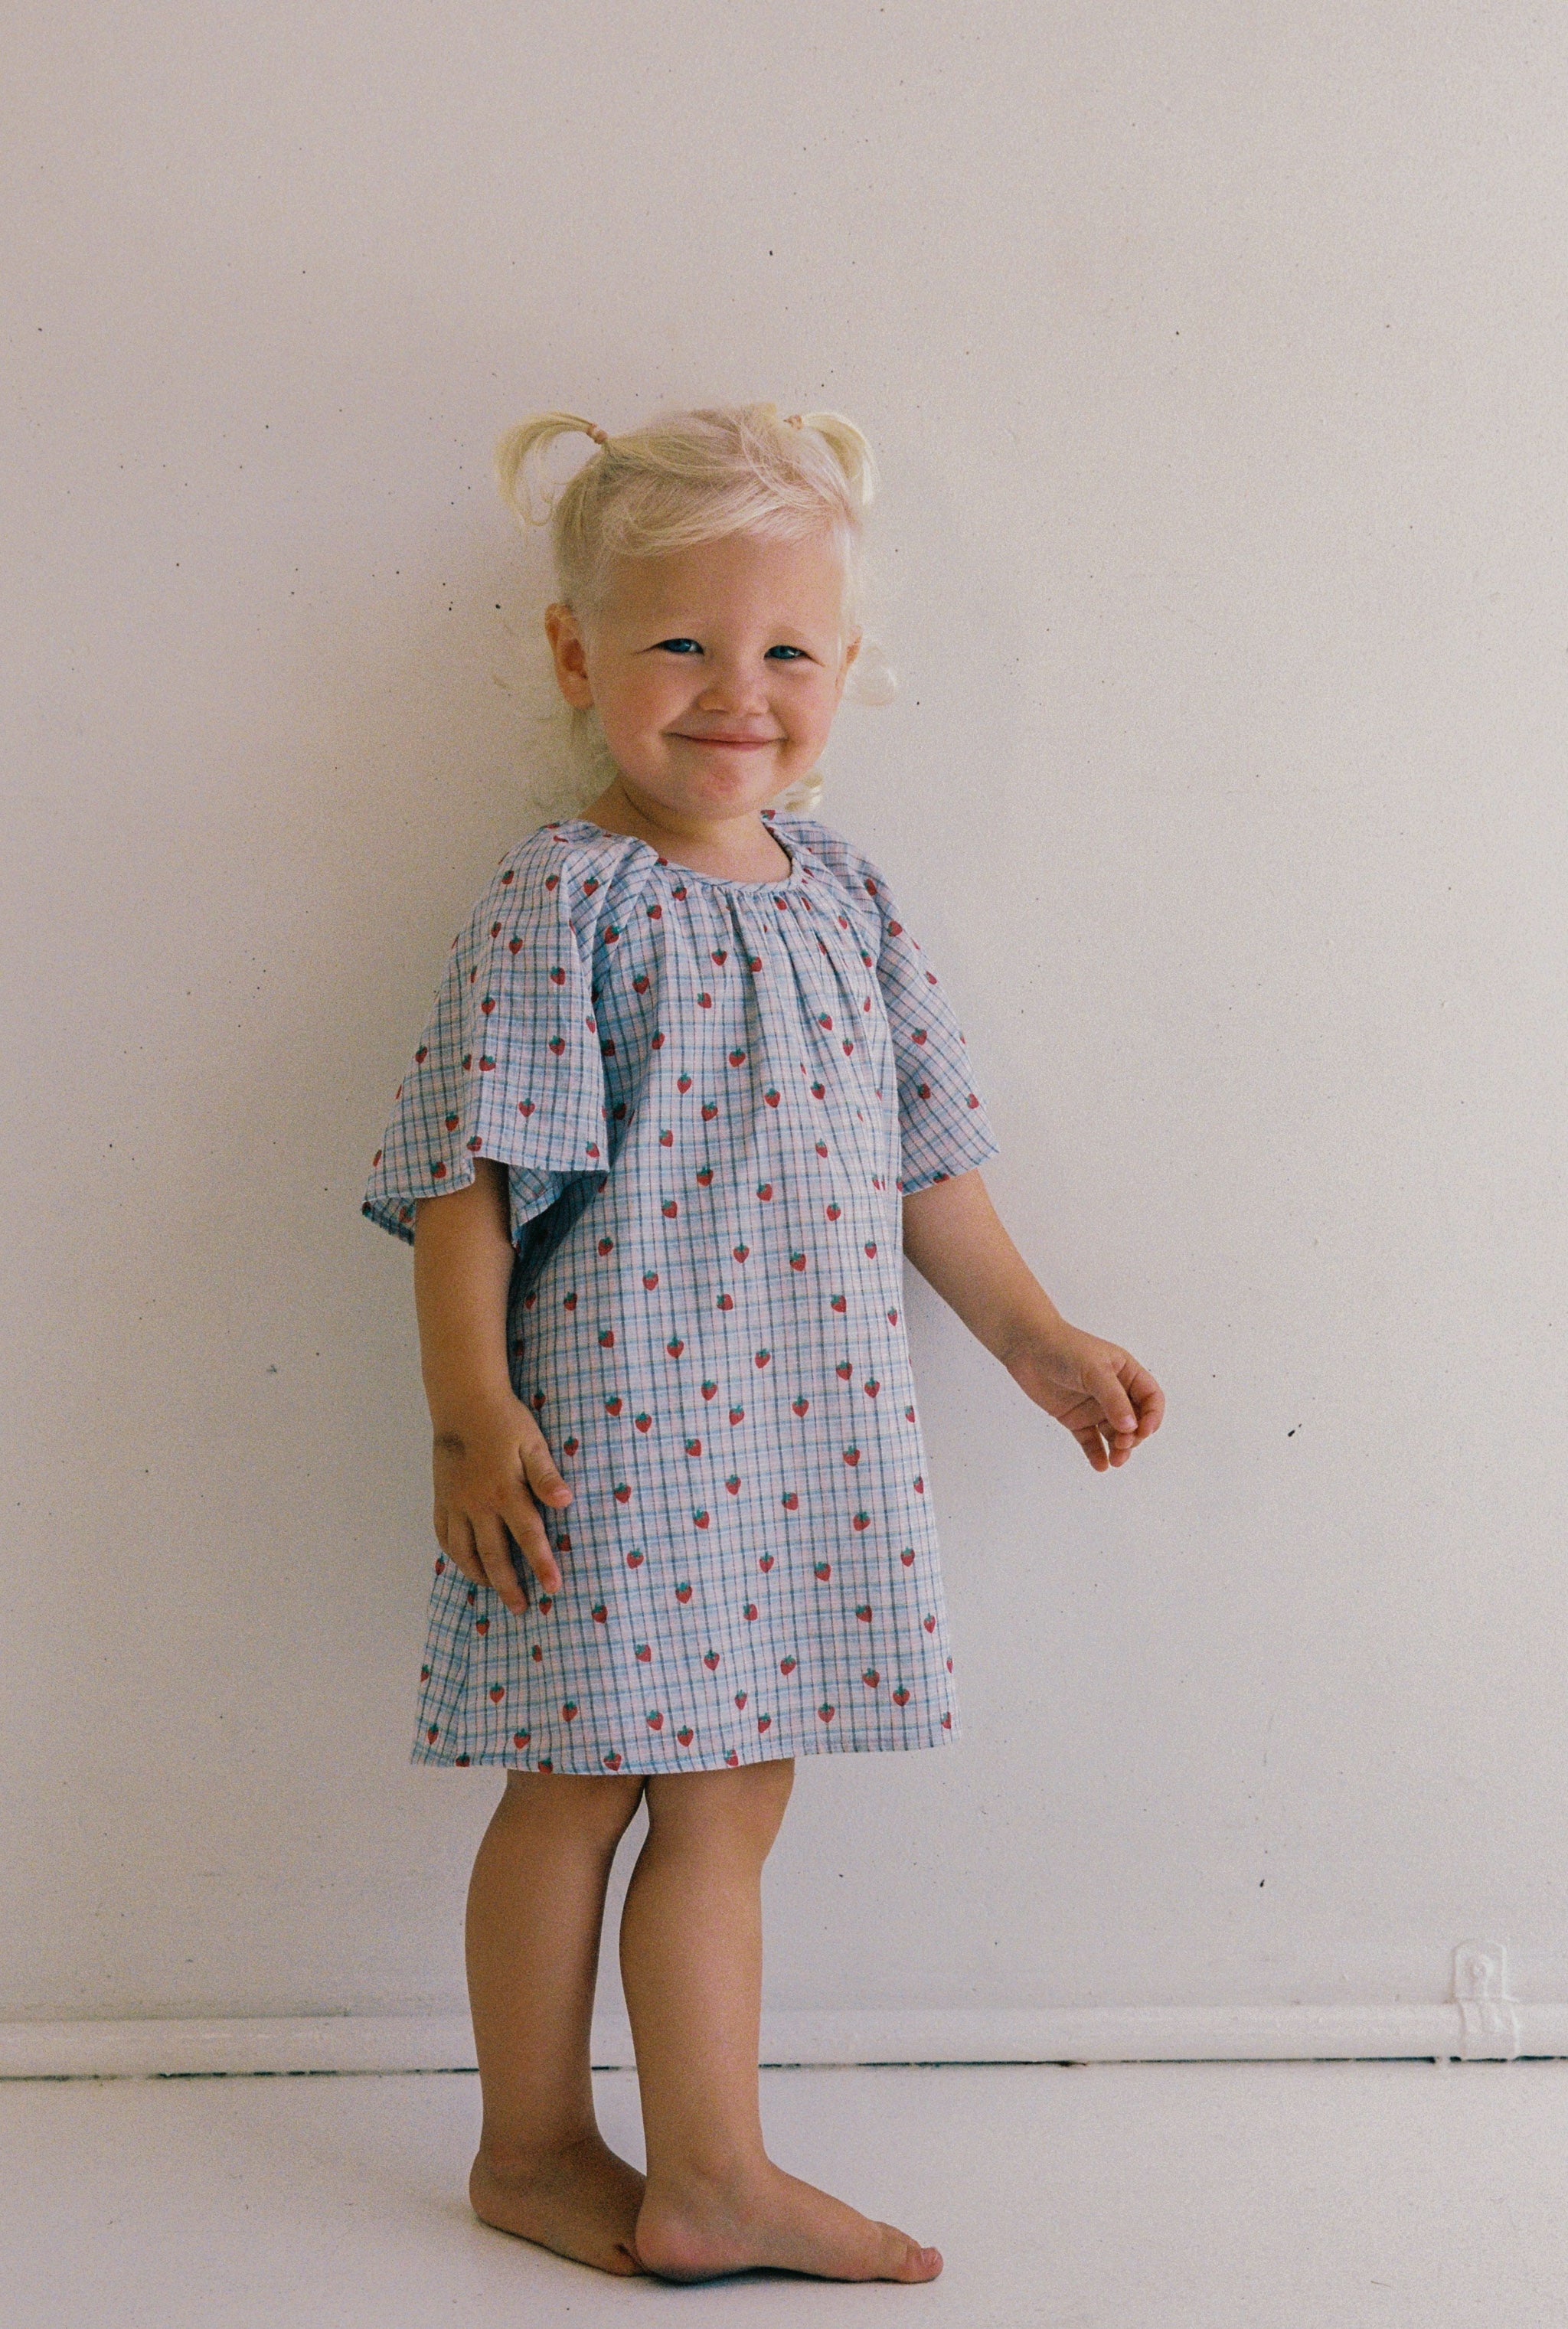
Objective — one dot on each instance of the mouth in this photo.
(730, 743)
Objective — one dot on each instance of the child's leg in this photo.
(535, 1908)
(691, 1956)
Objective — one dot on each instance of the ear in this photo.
(565, 636)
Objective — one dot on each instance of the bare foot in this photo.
(701, 2231)
(582, 2201)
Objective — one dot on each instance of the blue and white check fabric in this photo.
(710, 1097)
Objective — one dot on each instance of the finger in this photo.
(495, 1549)
(458, 1546)
(1088, 1437)
(539, 1470)
(523, 1517)
(1148, 1397)
(1120, 1415)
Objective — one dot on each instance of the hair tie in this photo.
(597, 435)
(794, 420)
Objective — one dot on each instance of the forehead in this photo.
(743, 576)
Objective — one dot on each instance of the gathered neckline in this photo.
(695, 872)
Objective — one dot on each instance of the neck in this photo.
(738, 845)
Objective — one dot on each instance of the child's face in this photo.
(715, 670)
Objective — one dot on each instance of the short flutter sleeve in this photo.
(943, 1123)
(509, 1065)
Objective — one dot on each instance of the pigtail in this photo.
(849, 450)
(517, 474)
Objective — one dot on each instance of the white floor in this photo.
(1113, 2196)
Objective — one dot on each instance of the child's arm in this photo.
(955, 1238)
(488, 1451)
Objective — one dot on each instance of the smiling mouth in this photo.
(732, 743)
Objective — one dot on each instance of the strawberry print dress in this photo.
(711, 1098)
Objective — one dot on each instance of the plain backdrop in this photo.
(1214, 355)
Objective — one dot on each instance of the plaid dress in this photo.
(710, 1097)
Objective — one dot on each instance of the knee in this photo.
(735, 1811)
(598, 1811)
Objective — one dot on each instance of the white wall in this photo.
(1215, 358)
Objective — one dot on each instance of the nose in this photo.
(733, 686)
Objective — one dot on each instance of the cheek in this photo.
(810, 715)
(640, 700)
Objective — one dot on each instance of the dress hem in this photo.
(767, 1750)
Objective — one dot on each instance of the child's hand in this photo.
(489, 1468)
(1098, 1389)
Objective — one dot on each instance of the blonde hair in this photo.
(685, 478)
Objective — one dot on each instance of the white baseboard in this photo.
(1158, 2033)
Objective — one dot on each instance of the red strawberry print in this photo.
(656, 1720)
(642, 1042)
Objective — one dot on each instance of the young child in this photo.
(689, 1092)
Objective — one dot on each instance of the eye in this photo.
(800, 652)
(681, 647)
